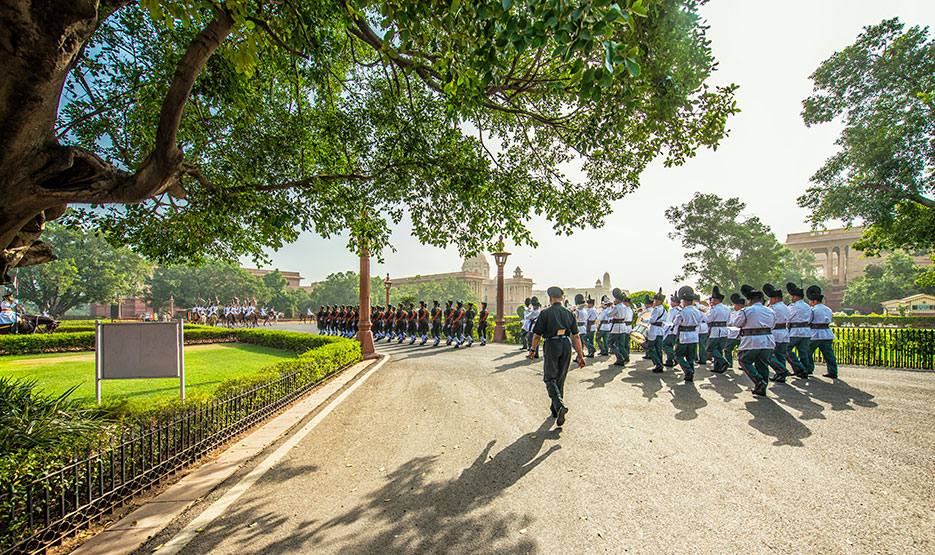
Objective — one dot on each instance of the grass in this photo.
(206, 366)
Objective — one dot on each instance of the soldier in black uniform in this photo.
(556, 325)
(457, 324)
(482, 324)
(413, 327)
(449, 313)
(423, 322)
(469, 323)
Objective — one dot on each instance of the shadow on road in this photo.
(725, 385)
(687, 400)
(650, 383)
(839, 394)
(769, 418)
(797, 400)
(603, 377)
(411, 513)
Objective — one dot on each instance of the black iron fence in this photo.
(889, 347)
(39, 511)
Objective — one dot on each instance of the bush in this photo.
(885, 320)
(84, 340)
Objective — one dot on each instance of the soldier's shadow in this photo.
(839, 394)
(725, 385)
(797, 400)
(687, 400)
(769, 418)
(603, 377)
(650, 383)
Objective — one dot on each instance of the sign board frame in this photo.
(139, 350)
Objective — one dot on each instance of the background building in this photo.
(837, 260)
(293, 279)
(475, 272)
(919, 304)
(601, 287)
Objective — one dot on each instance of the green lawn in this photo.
(206, 366)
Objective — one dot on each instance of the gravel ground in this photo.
(452, 451)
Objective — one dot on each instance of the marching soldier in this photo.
(703, 333)
(822, 336)
(524, 330)
(685, 324)
(670, 337)
(756, 324)
(436, 323)
(604, 325)
(423, 323)
(482, 323)
(449, 312)
(621, 317)
(733, 331)
(412, 326)
(655, 332)
(591, 328)
(457, 325)
(555, 326)
(780, 333)
(534, 313)
(469, 324)
(581, 317)
(647, 308)
(717, 317)
(800, 333)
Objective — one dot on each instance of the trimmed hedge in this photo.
(885, 320)
(84, 340)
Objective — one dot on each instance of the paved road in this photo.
(452, 451)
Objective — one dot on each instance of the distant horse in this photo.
(213, 319)
(196, 318)
(29, 323)
(251, 319)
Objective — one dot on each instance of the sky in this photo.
(769, 49)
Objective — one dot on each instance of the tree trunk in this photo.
(40, 43)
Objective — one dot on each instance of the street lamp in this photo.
(499, 332)
(387, 283)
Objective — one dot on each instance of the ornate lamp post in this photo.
(363, 332)
(387, 283)
(499, 332)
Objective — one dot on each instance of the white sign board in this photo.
(140, 350)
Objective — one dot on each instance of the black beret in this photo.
(795, 290)
(579, 299)
(555, 292)
(686, 293)
(813, 293)
(460, 303)
(771, 291)
(590, 300)
(716, 293)
(618, 294)
(749, 292)
(435, 303)
(484, 304)
(736, 299)
(421, 303)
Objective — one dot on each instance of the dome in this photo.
(607, 280)
(477, 265)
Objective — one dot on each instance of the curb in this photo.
(138, 527)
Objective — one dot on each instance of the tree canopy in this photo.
(88, 270)
(895, 278)
(190, 286)
(882, 88)
(729, 249)
(444, 290)
(192, 130)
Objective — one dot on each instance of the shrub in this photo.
(885, 320)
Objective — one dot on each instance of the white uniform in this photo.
(526, 315)
(800, 313)
(780, 329)
(656, 316)
(592, 318)
(822, 315)
(581, 315)
(624, 313)
(755, 317)
(603, 319)
(718, 313)
(7, 312)
(733, 330)
(669, 320)
(689, 317)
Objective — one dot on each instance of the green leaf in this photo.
(638, 9)
(507, 4)
(633, 67)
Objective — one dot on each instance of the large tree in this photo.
(882, 89)
(896, 278)
(206, 129)
(88, 270)
(443, 290)
(729, 249)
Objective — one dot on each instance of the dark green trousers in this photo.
(755, 364)
(654, 350)
(603, 341)
(824, 346)
(778, 359)
(716, 350)
(620, 346)
(703, 348)
(685, 356)
(800, 355)
(729, 347)
(589, 342)
(668, 347)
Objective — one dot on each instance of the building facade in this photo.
(602, 287)
(920, 304)
(293, 279)
(837, 260)
(475, 272)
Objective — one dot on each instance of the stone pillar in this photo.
(499, 331)
(364, 334)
